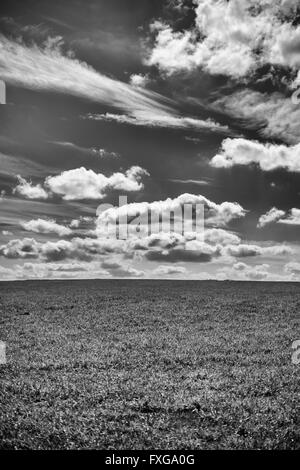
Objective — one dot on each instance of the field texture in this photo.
(149, 364)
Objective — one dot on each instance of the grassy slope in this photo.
(143, 364)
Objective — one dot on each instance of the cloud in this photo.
(83, 249)
(267, 156)
(29, 191)
(165, 270)
(217, 236)
(26, 248)
(200, 253)
(166, 121)
(189, 181)
(47, 68)
(242, 271)
(118, 270)
(93, 151)
(214, 214)
(246, 250)
(139, 80)
(293, 218)
(232, 38)
(80, 184)
(45, 227)
(275, 215)
(273, 115)
(82, 222)
(292, 268)
(71, 270)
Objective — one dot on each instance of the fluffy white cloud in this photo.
(81, 183)
(292, 218)
(246, 250)
(267, 156)
(30, 191)
(214, 214)
(83, 249)
(218, 236)
(138, 80)
(165, 270)
(242, 271)
(73, 270)
(46, 226)
(118, 270)
(26, 248)
(275, 215)
(232, 38)
(292, 268)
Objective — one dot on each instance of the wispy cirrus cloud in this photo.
(170, 121)
(273, 115)
(47, 68)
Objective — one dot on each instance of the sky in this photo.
(167, 103)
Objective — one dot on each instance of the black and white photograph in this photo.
(149, 228)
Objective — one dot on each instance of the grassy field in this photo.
(149, 364)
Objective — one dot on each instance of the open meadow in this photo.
(120, 364)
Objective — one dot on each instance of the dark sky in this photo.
(152, 100)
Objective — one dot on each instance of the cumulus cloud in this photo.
(191, 252)
(30, 191)
(165, 270)
(217, 236)
(83, 249)
(45, 227)
(26, 248)
(40, 270)
(292, 218)
(273, 114)
(232, 38)
(242, 271)
(267, 156)
(118, 270)
(80, 183)
(275, 215)
(174, 248)
(138, 213)
(138, 80)
(292, 268)
(48, 68)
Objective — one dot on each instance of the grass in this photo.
(149, 364)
